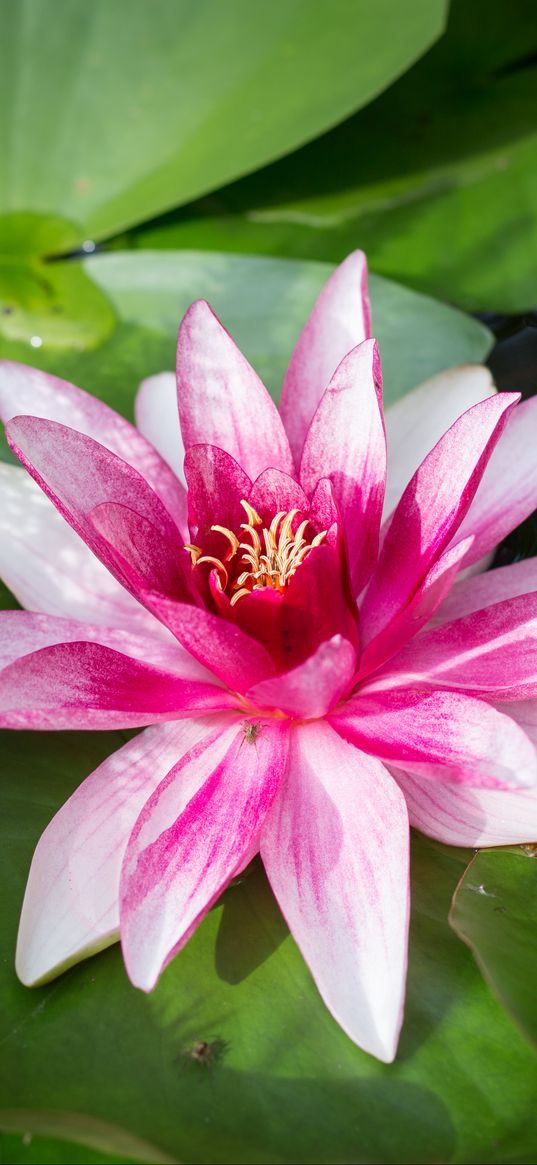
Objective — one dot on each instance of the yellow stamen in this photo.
(232, 538)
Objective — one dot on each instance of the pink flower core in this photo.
(267, 558)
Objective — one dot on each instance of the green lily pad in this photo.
(437, 179)
(495, 911)
(116, 111)
(47, 304)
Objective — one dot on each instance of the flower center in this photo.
(268, 556)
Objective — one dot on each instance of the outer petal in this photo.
(340, 320)
(27, 390)
(71, 906)
(490, 653)
(309, 690)
(483, 590)
(222, 400)
(177, 863)
(335, 848)
(443, 735)
(508, 491)
(48, 567)
(107, 502)
(346, 443)
(417, 420)
(157, 417)
(431, 510)
(88, 685)
(459, 815)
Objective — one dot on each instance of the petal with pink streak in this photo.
(460, 815)
(71, 904)
(436, 585)
(431, 510)
(346, 443)
(80, 476)
(490, 653)
(335, 848)
(443, 735)
(157, 417)
(483, 590)
(312, 688)
(48, 567)
(222, 400)
(177, 863)
(508, 491)
(81, 682)
(227, 651)
(30, 391)
(340, 320)
(216, 486)
(419, 419)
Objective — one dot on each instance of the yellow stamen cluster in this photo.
(270, 556)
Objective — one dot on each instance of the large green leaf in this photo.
(278, 1081)
(437, 179)
(112, 112)
(495, 911)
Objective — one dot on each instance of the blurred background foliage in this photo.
(155, 152)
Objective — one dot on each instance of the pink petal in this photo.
(431, 510)
(340, 320)
(490, 653)
(71, 907)
(57, 673)
(524, 713)
(48, 567)
(346, 443)
(436, 585)
(274, 491)
(419, 419)
(508, 491)
(309, 690)
(443, 735)
(157, 417)
(216, 486)
(482, 590)
(27, 390)
(222, 400)
(179, 859)
(237, 659)
(335, 848)
(81, 477)
(459, 815)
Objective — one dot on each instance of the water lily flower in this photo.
(303, 627)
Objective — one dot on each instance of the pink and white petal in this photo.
(81, 477)
(416, 422)
(222, 400)
(483, 590)
(441, 735)
(436, 585)
(82, 685)
(346, 443)
(50, 569)
(312, 688)
(508, 490)
(431, 510)
(335, 848)
(524, 713)
(460, 815)
(223, 648)
(157, 417)
(178, 862)
(71, 904)
(490, 653)
(25, 390)
(340, 320)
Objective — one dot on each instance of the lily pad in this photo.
(495, 911)
(437, 179)
(114, 112)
